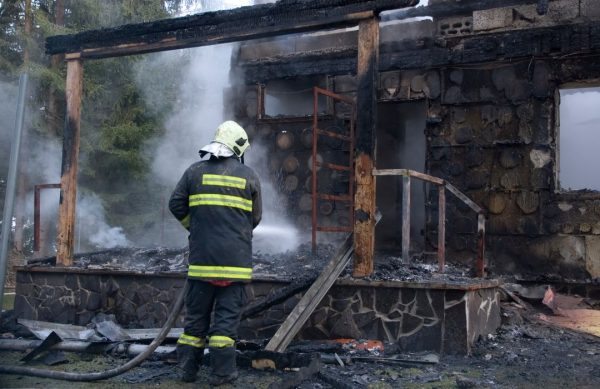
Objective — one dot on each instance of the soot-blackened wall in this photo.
(491, 130)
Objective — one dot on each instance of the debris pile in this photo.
(527, 351)
(283, 266)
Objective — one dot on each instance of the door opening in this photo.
(401, 144)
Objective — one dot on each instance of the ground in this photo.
(524, 353)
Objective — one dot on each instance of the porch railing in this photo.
(442, 185)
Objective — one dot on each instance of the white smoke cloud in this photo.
(199, 108)
(275, 234)
(41, 159)
(92, 229)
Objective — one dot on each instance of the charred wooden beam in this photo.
(307, 304)
(366, 125)
(280, 295)
(505, 46)
(283, 17)
(70, 156)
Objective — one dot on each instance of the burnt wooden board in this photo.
(313, 296)
(244, 23)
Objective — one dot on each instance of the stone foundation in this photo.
(428, 316)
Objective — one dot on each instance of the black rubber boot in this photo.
(189, 359)
(222, 363)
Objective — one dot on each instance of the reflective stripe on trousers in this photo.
(191, 341)
(212, 272)
(218, 341)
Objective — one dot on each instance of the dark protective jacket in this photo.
(219, 202)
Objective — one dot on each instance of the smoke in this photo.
(92, 229)
(186, 87)
(40, 159)
(275, 234)
(198, 110)
(202, 75)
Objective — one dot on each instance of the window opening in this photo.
(293, 97)
(579, 137)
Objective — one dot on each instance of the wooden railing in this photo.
(442, 185)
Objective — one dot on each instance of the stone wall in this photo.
(417, 317)
(527, 16)
(493, 134)
(76, 296)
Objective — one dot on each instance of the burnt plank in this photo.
(313, 296)
(244, 23)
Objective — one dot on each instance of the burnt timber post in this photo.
(366, 124)
(70, 156)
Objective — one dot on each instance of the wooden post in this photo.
(406, 218)
(366, 125)
(441, 228)
(70, 156)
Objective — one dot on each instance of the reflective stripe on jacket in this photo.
(219, 202)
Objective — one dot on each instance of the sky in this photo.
(579, 138)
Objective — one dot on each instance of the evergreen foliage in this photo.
(116, 123)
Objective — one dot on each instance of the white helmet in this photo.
(233, 136)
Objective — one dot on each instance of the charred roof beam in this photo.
(245, 23)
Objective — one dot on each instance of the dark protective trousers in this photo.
(225, 304)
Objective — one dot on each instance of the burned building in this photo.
(452, 122)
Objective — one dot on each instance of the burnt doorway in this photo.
(401, 144)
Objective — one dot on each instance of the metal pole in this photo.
(9, 200)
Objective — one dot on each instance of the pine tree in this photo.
(116, 124)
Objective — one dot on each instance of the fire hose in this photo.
(61, 375)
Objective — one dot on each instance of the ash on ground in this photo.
(284, 266)
(152, 260)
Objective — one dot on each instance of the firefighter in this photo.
(218, 201)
